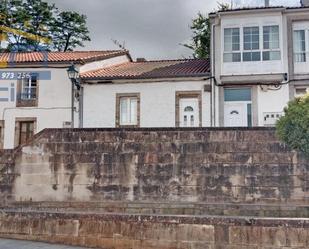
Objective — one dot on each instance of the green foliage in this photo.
(65, 30)
(293, 128)
(201, 37)
(201, 28)
(69, 31)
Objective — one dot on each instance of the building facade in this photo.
(166, 93)
(36, 93)
(259, 63)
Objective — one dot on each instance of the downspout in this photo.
(213, 96)
(213, 73)
(72, 105)
(81, 108)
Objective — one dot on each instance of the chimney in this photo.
(304, 3)
(266, 3)
(140, 60)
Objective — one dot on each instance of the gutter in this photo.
(201, 77)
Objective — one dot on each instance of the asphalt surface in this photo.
(20, 244)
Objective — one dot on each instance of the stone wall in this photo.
(122, 231)
(160, 165)
(229, 166)
(7, 174)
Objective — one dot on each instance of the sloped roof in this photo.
(152, 70)
(78, 57)
(260, 8)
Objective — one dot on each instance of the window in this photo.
(29, 88)
(251, 44)
(27, 91)
(271, 43)
(232, 45)
(299, 46)
(128, 110)
(237, 94)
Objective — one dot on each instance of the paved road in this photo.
(19, 244)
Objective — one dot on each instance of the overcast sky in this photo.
(153, 29)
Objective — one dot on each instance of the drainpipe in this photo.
(213, 73)
(81, 108)
(72, 106)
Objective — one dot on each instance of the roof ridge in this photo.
(76, 51)
(103, 68)
(170, 60)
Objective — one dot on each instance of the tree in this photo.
(200, 41)
(201, 37)
(38, 21)
(69, 31)
(33, 25)
(293, 127)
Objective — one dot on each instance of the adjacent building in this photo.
(174, 93)
(259, 63)
(36, 93)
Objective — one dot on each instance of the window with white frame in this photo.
(128, 110)
(232, 45)
(251, 44)
(257, 43)
(299, 41)
(29, 88)
(271, 43)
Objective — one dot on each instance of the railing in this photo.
(29, 93)
(301, 57)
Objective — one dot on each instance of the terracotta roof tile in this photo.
(152, 69)
(59, 57)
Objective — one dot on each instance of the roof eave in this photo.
(159, 78)
(246, 11)
(65, 63)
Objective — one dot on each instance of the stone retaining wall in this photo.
(7, 174)
(160, 165)
(152, 232)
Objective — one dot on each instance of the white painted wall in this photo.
(157, 102)
(53, 107)
(271, 101)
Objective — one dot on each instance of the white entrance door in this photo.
(235, 114)
(189, 112)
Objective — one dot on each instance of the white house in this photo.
(259, 62)
(148, 94)
(36, 93)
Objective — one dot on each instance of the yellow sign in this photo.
(26, 35)
(3, 37)
(3, 64)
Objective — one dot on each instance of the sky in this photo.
(151, 29)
